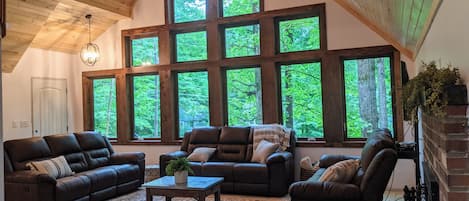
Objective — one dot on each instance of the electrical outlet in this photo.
(24, 124)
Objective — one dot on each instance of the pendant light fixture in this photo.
(90, 52)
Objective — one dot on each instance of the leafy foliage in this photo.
(427, 90)
(145, 51)
(105, 111)
(299, 35)
(250, 45)
(179, 164)
(147, 118)
(193, 101)
(240, 7)
(191, 46)
(189, 10)
(368, 96)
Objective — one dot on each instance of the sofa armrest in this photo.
(165, 158)
(328, 160)
(308, 190)
(279, 157)
(29, 177)
(127, 157)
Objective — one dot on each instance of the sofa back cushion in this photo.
(233, 144)
(23, 151)
(95, 149)
(203, 137)
(381, 139)
(68, 146)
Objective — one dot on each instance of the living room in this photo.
(210, 56)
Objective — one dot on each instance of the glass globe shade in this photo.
(90, 54)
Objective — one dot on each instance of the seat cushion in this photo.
(72, 188)
(126, 172)
(218, 169)
(252, 173)
(100, 178)
(196, 167)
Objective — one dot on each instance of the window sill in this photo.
(346, 144)
(147, 142)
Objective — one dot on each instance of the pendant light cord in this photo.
(89, 27)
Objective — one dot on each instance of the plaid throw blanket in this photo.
(273, 133)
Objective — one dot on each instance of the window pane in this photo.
(147, 106)
(189, 10)
(368, 96)
(193, 101)
(104, 107)
(244, 96)
(299, 35)
(240, 7)
(145, 51)
(191, 46)
(242, 41)
(302, 99)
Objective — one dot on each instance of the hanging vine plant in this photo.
(429, 91)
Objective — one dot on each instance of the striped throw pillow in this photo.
(55, 167)
(341, 172)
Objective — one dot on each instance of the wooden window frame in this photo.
(216, 64)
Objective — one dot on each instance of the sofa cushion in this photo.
(72, 188)
(196, 167)
(263, 150)
(97, 157)
(380, 139)
(234, 135)
(251, 173)
(207, 135)
(100, 178)
(218, 169)
(341, 172)
(201, 154)
(126, 172)
(95, 149)
(23, 151)
(77, 161)
(90, 140)
(54, 167)
(63, 144)
(231, 152)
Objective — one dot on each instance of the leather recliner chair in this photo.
(377, 162)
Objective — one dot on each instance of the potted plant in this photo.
(180, 168)
(432, 90)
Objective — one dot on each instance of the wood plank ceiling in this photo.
(57, 25)
(403, 23)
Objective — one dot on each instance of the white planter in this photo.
(180, 177)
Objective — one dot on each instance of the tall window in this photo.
(368, 96)
(147, 121)
(104, 107)
(145, 51)
(244, 96)
(302, 99)
(193, 101)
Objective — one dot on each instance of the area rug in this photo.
(140, 196)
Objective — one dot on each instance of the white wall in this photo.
(344, 31)
(17, 88)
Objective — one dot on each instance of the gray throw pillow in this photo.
(263, 150)
(55, 167)
(201, 154)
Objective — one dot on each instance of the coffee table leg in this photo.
(201, 197)
(149, 196)
(168, 198)
(217, 195)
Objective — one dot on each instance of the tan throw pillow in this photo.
(263, 150)
(55, 167)
(201, 154)
(341, 172)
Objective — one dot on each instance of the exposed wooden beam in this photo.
(373, 26)
(120, 7)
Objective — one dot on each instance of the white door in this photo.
(49, 101)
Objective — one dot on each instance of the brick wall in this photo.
(446, 149)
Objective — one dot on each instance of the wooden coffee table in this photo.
(196, 187)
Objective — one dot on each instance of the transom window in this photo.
(239, 65)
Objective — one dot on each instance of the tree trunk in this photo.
(108, 111)
(157, 105)
(367, 94)
(288, 99)
(383, 115)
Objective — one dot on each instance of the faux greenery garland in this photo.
(427, 90)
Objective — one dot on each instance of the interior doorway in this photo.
(49, 106)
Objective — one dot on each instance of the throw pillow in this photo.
(55, 167)
(341, 172)
(263, 150)
(201, 154)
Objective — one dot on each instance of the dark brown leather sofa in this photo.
(100, 173)
(377, 162)
(232, 161)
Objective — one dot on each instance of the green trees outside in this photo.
(367, 81)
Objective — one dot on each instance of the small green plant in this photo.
(179, 164)
(427, 90)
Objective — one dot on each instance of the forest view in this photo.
(367, 81)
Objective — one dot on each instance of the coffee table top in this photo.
(193, 183)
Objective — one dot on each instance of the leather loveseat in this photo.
(377, 162)
(100, 173)
(232, 161)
